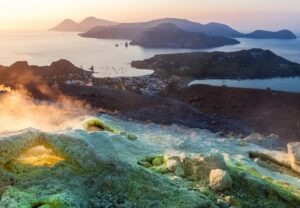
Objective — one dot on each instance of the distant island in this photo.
(166, 32)
(245, 64)
(130, 31)
(168, 35)
(88, 23)
(262, 34)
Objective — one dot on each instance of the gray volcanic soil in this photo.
(152, 109)
(230, 111)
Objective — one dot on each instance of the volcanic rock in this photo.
(294, 155)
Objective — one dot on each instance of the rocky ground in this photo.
(265, 111)
(230, 111)
(153, 109)
(107, 162)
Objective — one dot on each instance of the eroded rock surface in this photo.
(294, 155)
(107, 169)
(219, 180)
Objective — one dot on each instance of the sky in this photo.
(244, 15)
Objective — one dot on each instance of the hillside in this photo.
(168, 35)
(60, 71)
(262, 34)
(88, 23)
(245, 64)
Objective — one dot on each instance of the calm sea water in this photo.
(291, 84)
(42, 48)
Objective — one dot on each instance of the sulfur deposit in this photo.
(109, 162)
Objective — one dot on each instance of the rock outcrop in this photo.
(194, 168)
(270, 142)
(294, 155)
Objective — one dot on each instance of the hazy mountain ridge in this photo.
(131, 31)
(211, 29)
(88, 23)
(168, 35)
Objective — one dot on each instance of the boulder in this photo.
(219, 180)
(294, 155)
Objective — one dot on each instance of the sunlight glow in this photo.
(41, 15)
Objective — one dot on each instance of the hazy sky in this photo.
(243, 15)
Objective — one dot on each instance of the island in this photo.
(210, 29)
(168, 35)
(245, 64)
(131, 31)
(263, 34)
(88, 23)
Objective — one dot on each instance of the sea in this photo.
(110, 58)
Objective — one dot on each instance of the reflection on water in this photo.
(291, 84)
(42, 48)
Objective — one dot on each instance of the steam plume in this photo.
(18, 110)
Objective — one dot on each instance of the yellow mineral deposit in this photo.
(39, 156)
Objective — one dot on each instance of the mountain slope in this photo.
(83, 26)
(168, 35)
(131, 30)
(262, 34)
(113, 32)
(212, 29)
(66, 25)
